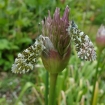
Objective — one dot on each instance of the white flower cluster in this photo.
(28, 58)
(84, 46)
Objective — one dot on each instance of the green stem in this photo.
(96, 78)
(52, 89)
(46, 90)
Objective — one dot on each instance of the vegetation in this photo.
(19, 27)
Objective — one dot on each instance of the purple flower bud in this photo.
(100, 38)
(57, 53)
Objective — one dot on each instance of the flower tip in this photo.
(67, 7)
(57, 11)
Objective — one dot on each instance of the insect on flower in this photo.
(28, 58)
(54, 45)
(83, 44)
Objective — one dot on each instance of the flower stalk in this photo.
(46, 88)
(96, 82)
(100, 41)
(52, 91)
(95, 93)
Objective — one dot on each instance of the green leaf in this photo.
(4, 44)
(3, 22)
(2, 3)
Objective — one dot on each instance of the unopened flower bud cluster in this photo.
(28, 58)
(83, 44)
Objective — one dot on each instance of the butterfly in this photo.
(83, 44)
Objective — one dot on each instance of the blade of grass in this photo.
(28, 84)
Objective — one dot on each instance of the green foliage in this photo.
(19, 21)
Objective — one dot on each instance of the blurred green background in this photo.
(20, 24)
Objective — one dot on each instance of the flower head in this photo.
(57, 53)
(55, 29)
(53, 46)
(100, 38)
